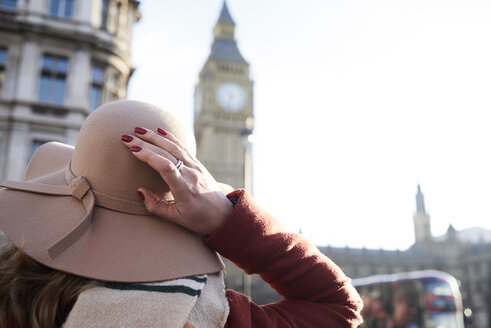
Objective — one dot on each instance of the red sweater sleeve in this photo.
(315, 291)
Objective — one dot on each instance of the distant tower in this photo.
(59, 60)
(223, 118)
(422, 229)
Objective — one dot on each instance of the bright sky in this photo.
(356, 102)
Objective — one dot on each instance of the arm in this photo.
(316, 292)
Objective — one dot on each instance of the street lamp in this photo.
(247, 140)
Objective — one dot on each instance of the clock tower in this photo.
(223, 116)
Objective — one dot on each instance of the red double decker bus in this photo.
(419, 299)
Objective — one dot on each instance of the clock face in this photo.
(231, 96)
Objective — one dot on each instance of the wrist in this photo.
(223, 210)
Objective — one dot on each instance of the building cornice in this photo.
(42, 113)
(78, 33)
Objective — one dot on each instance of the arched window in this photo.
(53, 79)
(8, 4)
(96, 87)
(104, 13)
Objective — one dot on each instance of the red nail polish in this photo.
(140, 130)
(161, 131)
(142, 196)
(135, 149)
(126, 138)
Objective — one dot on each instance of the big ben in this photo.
(223, 118)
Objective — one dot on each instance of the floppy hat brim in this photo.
(117, 246)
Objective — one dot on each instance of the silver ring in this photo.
(179, 164)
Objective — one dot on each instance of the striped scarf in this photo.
(196, 301)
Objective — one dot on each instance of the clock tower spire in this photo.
(422, 229)
(225, 26)
(223, 115)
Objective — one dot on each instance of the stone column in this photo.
(28, 77)
(18, 151)
(83, 12)
(22, 4)
(14, 53)
(78, 80)
(35, 6)
(96, 13)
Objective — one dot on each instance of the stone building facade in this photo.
(59, 59)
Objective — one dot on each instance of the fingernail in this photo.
(140, 130)
(126, 138)
(142, 196)
(135, 149)
(161, 131)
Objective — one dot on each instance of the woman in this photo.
(127, 237)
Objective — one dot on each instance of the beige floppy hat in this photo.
(78, 210)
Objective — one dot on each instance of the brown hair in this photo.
(33, 295)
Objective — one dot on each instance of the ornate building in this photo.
(223, 119)
(59, 59)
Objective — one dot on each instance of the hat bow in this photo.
(78, 188)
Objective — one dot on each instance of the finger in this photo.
(135, 141)
(157, 206)
(165, 144)
(162, 165)
(171, 137)
(160, 207)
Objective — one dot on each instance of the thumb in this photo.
(155, 205)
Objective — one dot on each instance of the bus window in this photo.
(439, 296)
(375, 306)
(442, 307)
(420, 299)
(406, 307)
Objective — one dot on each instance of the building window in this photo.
(61, 8)
(96, 87)
(53, 79)
(110, 15)
(114, 86)
(105, 9)
(3, 61)
(8, 3)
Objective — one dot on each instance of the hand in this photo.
(199, 204)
